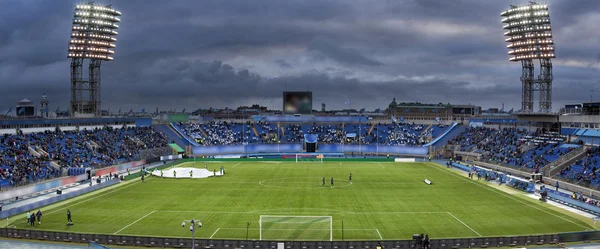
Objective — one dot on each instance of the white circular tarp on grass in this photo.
(185, 173)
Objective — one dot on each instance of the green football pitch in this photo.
(385, 201)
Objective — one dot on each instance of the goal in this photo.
(309, 158)
(277, 227)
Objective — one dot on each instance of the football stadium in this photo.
(408, 175)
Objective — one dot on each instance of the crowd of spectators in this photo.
(27, 157)
(471, 137)
(584, 170)
(224, 133)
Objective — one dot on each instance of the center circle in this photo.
(302, 183)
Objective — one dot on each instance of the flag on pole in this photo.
(347, 102)
(9, 111)
(183, 111)
(131, 110)
(57, 109)
(119, 110)
(143, 110)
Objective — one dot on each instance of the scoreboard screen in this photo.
(297, 102)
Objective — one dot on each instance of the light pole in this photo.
(192, 229)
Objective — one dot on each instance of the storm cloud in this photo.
(226, 53)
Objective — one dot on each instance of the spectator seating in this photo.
(223, 133)
(85, 148)
(584, 171)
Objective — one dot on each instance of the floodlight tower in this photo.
(93, 37)
(529, 38)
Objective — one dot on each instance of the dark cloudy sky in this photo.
(217, 53)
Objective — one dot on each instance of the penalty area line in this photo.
(378, 233)
(381, 165)
(464, 224)
(135, 222)
(236, 165)
(214, 232)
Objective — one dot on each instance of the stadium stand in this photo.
(584, 171)
(30, 157)
(263, 132)
(513, 147)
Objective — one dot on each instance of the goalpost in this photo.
(279, 227)
(309, 158)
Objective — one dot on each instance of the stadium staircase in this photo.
(33, 152)
(458, 129)
(202, 131)
(178, 130)
(555, 167)
(424, 130)
(370, 129)
(55, 164)
(173, 136)
(41, 151)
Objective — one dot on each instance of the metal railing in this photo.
(554, 167)
(160, 242)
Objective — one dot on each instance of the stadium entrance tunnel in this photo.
(185, 173)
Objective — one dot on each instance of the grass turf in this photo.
(386, 201)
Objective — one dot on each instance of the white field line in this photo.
(236, 165)
(134, 222)
(378, 233)
(313, 211)
(381, 165)
(215, 232)
(464, 224)
(291, 229)
(84, 201)
(508, 196)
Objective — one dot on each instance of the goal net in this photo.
(273, 227)
(309, 158)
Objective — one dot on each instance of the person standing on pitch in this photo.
(33, 220)
(69, 220)
(161, 173)
(39, 216)
(191, 174)
(332, 182)
(28, 218)
(323, 182)
(214, 172)
(142, 177)
(174, 174)
(350, 179)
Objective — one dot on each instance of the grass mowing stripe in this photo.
(134, 222)
(89, 199)
(464, 224)
(507, 196)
